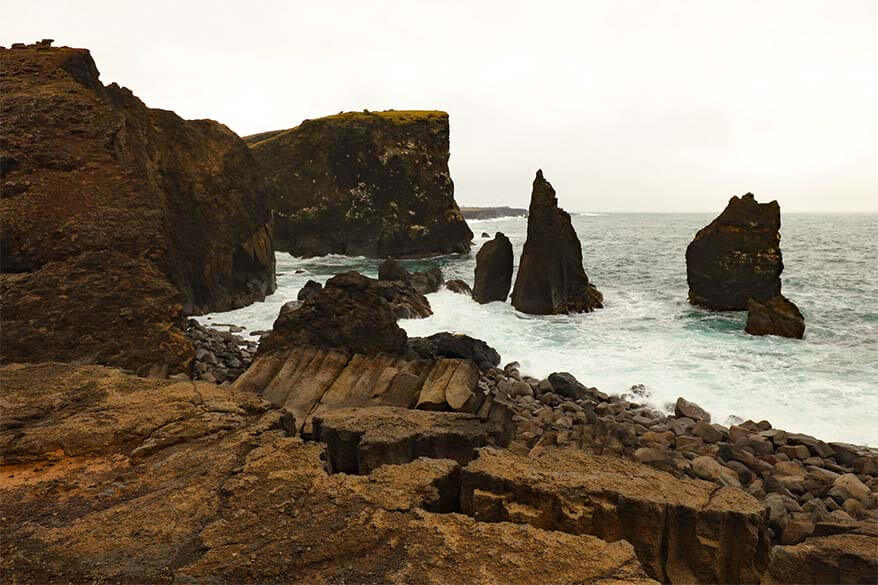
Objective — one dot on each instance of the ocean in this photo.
(825, 385)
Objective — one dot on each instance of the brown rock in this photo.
(550, 277)
(493, 273)
(843, 558)
(709, 433)
(777, 316)
(370, 184)
(736, 257)
(684, 408)
(458, 286)
(133, 210)
(684, 531)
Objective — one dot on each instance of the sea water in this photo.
(647, 333)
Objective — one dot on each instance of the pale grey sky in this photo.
(626, 106)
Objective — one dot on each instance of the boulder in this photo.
(424, 282)
(683, 530)
(777, 316)
(458, 286)
(452, 345)
(840, 558)
(352, 312)
(391, 269)
(736, 257)
(372, 184)
(684, 408)
(311, 288)
(493, 275)
(551, 279)
(108, 203)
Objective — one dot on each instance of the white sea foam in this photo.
(825, 385)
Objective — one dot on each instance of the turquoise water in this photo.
(825, 384)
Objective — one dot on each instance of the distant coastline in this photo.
(492, 212)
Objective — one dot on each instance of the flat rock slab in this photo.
(237, 502)
(684, 531)
(359, 440)
(841, 558)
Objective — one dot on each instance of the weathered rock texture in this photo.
(493, 276)
(107, 478)
(684, 531)
(777, 316)
(736, 257)
(550, 277)
(371, 184)
(352, 312)
(118, 219)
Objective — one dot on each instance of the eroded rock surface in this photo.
(111, 478)
(684, 531)
(551, 279)
(118, 219)
(737, 257)
(373, 184)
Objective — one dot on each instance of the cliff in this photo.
(492, 212)
(118, 219)
(370, 184)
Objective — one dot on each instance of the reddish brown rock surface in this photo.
(118, 219)
(373, 184)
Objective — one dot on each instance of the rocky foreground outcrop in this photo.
(736, 257)
(777, 316)
(111, 478)
(118, 219)
(493, 272)
(551, 279)
(370, 184)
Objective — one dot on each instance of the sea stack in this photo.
(551, 279)
(736, 257)
(372, 184)
(493, 276)
(778, 316)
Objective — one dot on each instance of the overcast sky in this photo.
(626, 106)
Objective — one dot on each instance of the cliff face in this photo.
(104, 198)
(736, 257)
(371, 184)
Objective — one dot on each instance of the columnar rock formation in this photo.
(118, 219)
(493, 276)
(736, 257)
(551, 278)
(372, 184)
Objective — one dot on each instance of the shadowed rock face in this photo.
(778, 316)
(551, 279)
(100, 191)
(370, 184)
(352, 312)
(736, 257)
(493, 275)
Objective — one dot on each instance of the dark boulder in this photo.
(551, 278)
(778, 316)
(564, 384)
(391, 269)
(736, 257)
(458, 286)
(311, 288)
(372, 184)
(493, 270)
(352, 312)
(450, 345)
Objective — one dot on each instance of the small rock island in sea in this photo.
(137, 446)
(734, 264)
